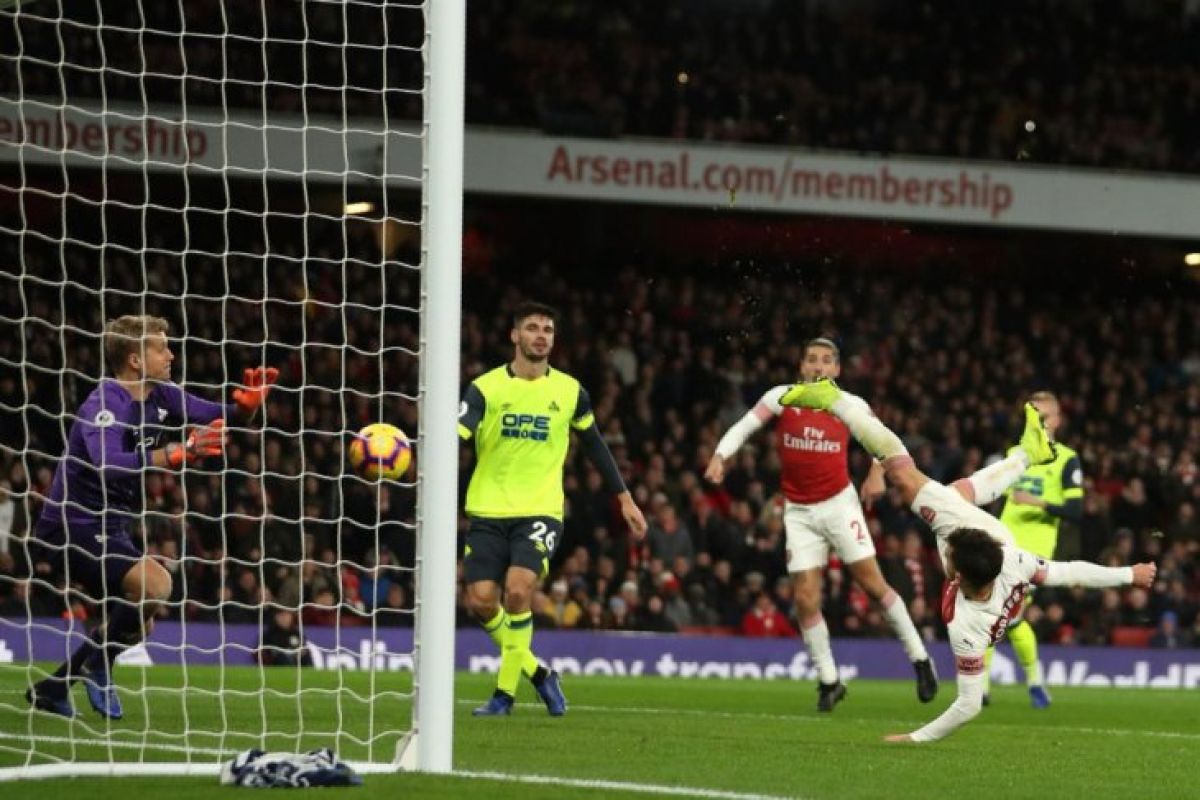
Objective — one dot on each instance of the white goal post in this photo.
(283, 183)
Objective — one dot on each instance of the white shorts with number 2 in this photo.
(835, 524)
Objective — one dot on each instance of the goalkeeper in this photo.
(520, 416)
(83, 530)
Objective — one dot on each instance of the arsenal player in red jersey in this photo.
(823, 513)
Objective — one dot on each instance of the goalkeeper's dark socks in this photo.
(124, 629)
(539, 675)
(70, 669)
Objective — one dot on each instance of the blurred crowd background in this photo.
(671, 360)
(1111, 84)
(673, 345)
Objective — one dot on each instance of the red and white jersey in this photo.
(813, 449)
(975, 625)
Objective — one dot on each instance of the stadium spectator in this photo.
(1168, 636)
(668, 537)
(396, 610)
(765, 620)
(558, 608)
(282, 642)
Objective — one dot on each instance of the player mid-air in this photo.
(121, 430)
(521, 415)
(823, 513)
(988, 576)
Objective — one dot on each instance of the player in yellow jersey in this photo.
(520, 415)
(1034, 508)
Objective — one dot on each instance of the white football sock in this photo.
(991, 482)
(902, 625)
(816, 638)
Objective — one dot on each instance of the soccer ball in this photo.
(380, 451)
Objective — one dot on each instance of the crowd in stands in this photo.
(1104, 84)
(671, 359)
(671, 356)
(1113, 84)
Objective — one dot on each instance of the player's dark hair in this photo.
(977, 556)
(126, 335)
(1043, 394)
(822, 341)
(530, 308)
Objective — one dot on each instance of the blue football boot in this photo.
(102, 694)
(550, 690)
(499, 706)
(53, 698)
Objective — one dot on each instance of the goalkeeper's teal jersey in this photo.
(522, 433)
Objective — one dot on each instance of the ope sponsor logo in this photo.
(525, 426)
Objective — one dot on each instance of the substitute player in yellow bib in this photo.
(1034, 508)
(520, 416)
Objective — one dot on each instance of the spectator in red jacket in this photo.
(764, 619)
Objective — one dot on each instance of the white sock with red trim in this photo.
(816, 639)
(991, 482)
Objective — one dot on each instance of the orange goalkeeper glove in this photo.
(201, 443)
(258, 384)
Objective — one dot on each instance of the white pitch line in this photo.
(119, 744)
(805, 719)
(643, 788)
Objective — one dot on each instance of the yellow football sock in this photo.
(515, 651)
(1024, 643)
(497, 630)
(987, 668)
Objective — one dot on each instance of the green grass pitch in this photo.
(718, 738)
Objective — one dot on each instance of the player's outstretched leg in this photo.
(824, 395)
(1035, 439)
(989, 484)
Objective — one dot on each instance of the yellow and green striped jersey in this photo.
(1035, 529)
(522, 432)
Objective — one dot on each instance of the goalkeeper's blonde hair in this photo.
(126, 335)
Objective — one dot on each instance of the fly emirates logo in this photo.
(812, 441)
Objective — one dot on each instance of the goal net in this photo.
(257, 174)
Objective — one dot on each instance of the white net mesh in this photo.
(250, 172)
